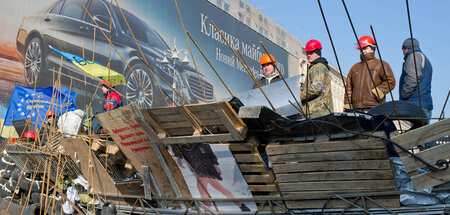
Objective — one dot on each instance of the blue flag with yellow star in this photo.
(35, 102)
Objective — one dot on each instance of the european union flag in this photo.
(34, 103)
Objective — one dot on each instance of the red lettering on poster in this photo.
(123, 137)
(134, 142)
(135, 126)
(115, 131)
(141, 148)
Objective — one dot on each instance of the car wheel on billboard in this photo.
(33, 60)
(137, 92)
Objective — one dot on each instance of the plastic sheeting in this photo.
(416, 198)
(70, 122)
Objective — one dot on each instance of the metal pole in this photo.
(247, 69)
(362, 54)
(414, 56)
(204, 56)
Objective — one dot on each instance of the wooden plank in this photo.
(345, 145)
(332, 166)
(232, 128)
(176, 117)
(423, 134)
(265, 178)
(89, 165)
(252, 168)
(146, 182)
(321, 194)
(375, 185)
(248, 158)
(430, 155)
(430, 179)
(204, 107)
(377, 154)
(263, 188)
(392, 202)
(241, 147)
(186, 124)
(336, 175)
(196, 139)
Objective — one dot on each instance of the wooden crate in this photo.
(212, 122)
(259, 178)
(313, 171)
(420, 136)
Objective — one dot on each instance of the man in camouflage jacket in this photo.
(316, 93)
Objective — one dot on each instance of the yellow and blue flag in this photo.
(34, 104)
(93, 68)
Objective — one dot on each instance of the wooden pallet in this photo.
(420, 136)
(212, 122)
(259, 178)
(313, 171)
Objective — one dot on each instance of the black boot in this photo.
(244, 207)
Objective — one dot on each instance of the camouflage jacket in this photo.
(316, 93)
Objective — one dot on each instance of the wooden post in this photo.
(146, 179)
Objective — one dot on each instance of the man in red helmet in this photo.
(362, 92)
(112, 98)
(46, 129)
(316, 93)
(268, 66)
(29, 136)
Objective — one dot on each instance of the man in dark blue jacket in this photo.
(409, 91)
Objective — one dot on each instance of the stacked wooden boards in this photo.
(312, 172)
(259, 178)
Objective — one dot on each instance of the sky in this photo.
(430, 22)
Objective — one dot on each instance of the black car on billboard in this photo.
(66, 26)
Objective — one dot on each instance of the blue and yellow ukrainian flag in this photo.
(93, 68)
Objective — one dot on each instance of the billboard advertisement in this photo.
(112, 33)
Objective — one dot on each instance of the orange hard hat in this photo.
(365, 41)
(29, 134)
(50, 113)
(265, 59)
(312, 45)
(105, 83)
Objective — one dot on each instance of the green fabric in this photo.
(316, 94)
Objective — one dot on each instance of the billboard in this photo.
(120, 32)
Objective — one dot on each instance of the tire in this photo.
(404, 109)
(7, 185)
(7, 164)
(108, 209)
(33, 60)
(134, 89)
(25, 184)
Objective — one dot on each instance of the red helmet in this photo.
(50, 113)
(365, 41)
(29, 134)
(13, 140)
(265, 59)
(312, 45)
(105, 83)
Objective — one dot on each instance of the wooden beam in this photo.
(377, 154)
(345, 145)
(430, 155)
(374, 185)
(423, 134)
(335, 176)
(332, 166)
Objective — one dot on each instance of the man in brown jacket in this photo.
(361, 90)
